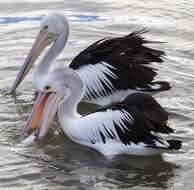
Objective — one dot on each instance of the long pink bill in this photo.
(42, 115)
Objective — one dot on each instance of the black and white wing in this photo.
(118, 64)
(155, 116)
(121, 123)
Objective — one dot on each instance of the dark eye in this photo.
(45, 27)
(47, 88)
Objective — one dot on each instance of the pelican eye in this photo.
(45, 27)
(47, 88)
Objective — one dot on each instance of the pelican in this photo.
(127, 127)
(110, 68)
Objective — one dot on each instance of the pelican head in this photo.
(60, 86)
(54, 29)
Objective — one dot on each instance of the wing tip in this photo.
(156, 87)
(174, 144)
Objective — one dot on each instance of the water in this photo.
(58, 163)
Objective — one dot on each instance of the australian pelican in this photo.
(127, 127)
(110, 68)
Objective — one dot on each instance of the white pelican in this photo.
(123, 128)
(111, 68)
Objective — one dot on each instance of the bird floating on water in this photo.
(127, 127)
(110, 68)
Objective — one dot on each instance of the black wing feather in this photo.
(138, 131)
(129, 57)
(147, 109)
(156, 116)
(147, 117)
(129, 132)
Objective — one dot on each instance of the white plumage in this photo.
(89, 127)
(95, 79)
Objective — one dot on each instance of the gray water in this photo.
(57, 162)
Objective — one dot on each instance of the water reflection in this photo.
(74, 164)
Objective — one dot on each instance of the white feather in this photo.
(94, 75)
(90, 125)
(86, 130)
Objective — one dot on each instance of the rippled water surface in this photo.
(58, 163)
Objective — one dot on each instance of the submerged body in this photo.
(127, 127)
(110, 68)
